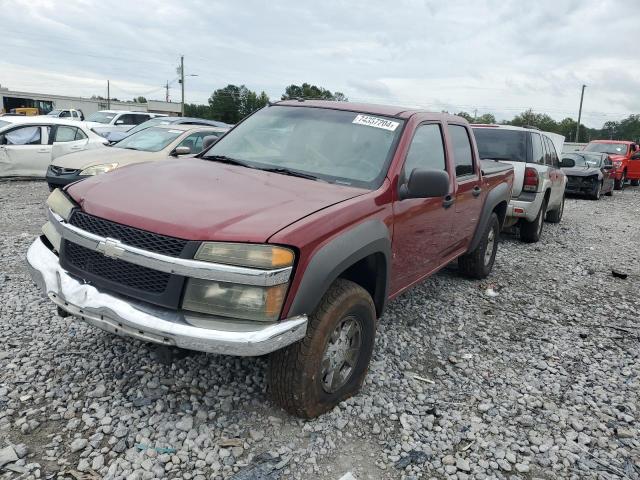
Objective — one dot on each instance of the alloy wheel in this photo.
(341, 354)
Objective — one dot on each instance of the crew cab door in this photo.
(422, 226)
(468, 194)
(24, 151)
(67, 139)
(633, 167)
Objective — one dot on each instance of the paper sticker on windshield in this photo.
(376, 122)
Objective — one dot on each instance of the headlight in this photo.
(233, 300)
(246, 255)
(59, 203)
(98, 169)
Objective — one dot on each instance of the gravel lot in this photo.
(531, 374)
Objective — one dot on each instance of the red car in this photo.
(288, 236)
(625, 156)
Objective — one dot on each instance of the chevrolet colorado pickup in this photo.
(625, 156)
(288, 236)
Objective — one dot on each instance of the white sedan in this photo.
(28, 145)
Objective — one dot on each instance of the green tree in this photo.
(532, 119)
(309, 91)
(232, 103)
(140, 99)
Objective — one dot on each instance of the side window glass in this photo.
(65, 134)
(537, 155)
(194, 141)
(64, 114)
(553, 157)
(462, 153)
(80, 135)
(138, 119)
(426, 150)
(30, 135)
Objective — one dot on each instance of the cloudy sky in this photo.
(495, 56)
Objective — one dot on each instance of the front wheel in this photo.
(330, 363)
(596, 193)
(619, 184)
(530, 232)
(479, 262)
(635, 183)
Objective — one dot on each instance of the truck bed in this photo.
(493, 167)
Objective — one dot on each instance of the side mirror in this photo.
(607, 167)
(181, 151)
(208, 141)
(567, 163)
(635, 156)
(425, 183)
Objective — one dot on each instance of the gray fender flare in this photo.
(501, 193)
(333, 258)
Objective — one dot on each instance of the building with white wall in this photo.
(45, 103)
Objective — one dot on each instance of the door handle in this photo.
(476, 191)
(448, 201)
(44, 150)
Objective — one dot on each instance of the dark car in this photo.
(590, 174)
(116, 136)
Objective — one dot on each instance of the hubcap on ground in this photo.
(341, 354)
(488, 253)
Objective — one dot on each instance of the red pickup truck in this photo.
(625, 156)
(288, 236)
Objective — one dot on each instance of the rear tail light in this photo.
(531, 180)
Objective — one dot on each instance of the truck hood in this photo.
(121, 156)
(199, 199)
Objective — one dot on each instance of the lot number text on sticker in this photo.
(376, 122)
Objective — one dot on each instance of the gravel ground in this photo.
(533, 373)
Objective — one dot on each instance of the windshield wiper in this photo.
(227, 160)
(287, 171)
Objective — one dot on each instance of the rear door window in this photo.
(462, 152)
(501, 144)
(65, 134)
(537, 149)
(552, 156)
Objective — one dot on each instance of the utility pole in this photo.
(166, 97)
(580, 115)
(182, 83)
(108, 97)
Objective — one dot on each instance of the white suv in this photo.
(106, 121)
(539, 182)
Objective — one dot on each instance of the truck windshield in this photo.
(332, 145)
(612, 148)
(501, 144)
(151, 139)
(101, 117)
(150, 123)
(54, 113)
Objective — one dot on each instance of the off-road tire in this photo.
(474, 264)
(596, 195)
(530, 232)
(619, 184)
(635, 183)
(295, 371)
(554, 216)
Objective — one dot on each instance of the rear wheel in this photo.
(635, 183)
(554, 216)
(530, 231)
(479, 262)
(330, 363)
(619, 185)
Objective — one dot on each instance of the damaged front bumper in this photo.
(149, 323)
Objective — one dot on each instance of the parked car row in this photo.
(289, 235)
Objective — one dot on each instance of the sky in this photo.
(496, 56)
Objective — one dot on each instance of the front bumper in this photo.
(149, 323)
(581, 186)
(62, 177)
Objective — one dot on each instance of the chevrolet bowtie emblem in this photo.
(110, 247)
